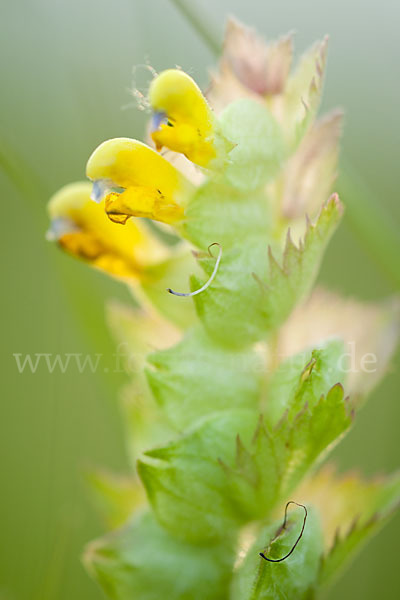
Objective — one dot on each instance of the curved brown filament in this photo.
(277, 560)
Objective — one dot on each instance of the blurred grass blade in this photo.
(372, 225)
(193, 15)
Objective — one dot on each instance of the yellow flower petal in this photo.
(153, 187)
(82, 228)
(182, 120)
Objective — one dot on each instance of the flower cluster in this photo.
(245, 393)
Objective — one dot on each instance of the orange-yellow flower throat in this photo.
(82, 228)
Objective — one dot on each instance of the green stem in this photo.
(194, 16)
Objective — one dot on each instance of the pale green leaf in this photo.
(137, 331)
(219, 213)
(258, 147)
(303, 92)
(231, 309)
(143, 562)
(115, 496)
(172, 273)
(291, 278)
(144, 421)
(197, 377)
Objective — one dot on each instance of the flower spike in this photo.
(153, 188)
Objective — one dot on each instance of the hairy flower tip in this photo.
(138, 91)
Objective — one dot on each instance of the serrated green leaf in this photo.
(197, 377)
(226, 472)
(314, 430)
(258, 149)
(186, 483)
(303, 378)
(272, 465)
(241, 224)
(303, 92)
(143, 562)
(253, 293)
(296, 577)
(291, 279)
(231, 308)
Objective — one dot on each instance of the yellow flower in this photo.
(153, 188)
(82, 228)
(182, 119)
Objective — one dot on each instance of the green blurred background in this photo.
(66, 67)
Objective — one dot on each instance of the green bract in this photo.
(258, 147)
(257, 579)
(236, 395)
(217, 378)
(143, 561)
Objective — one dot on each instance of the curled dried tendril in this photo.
(277, 560)
(209, 282)
(140, 96)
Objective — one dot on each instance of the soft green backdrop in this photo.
(66, 67)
